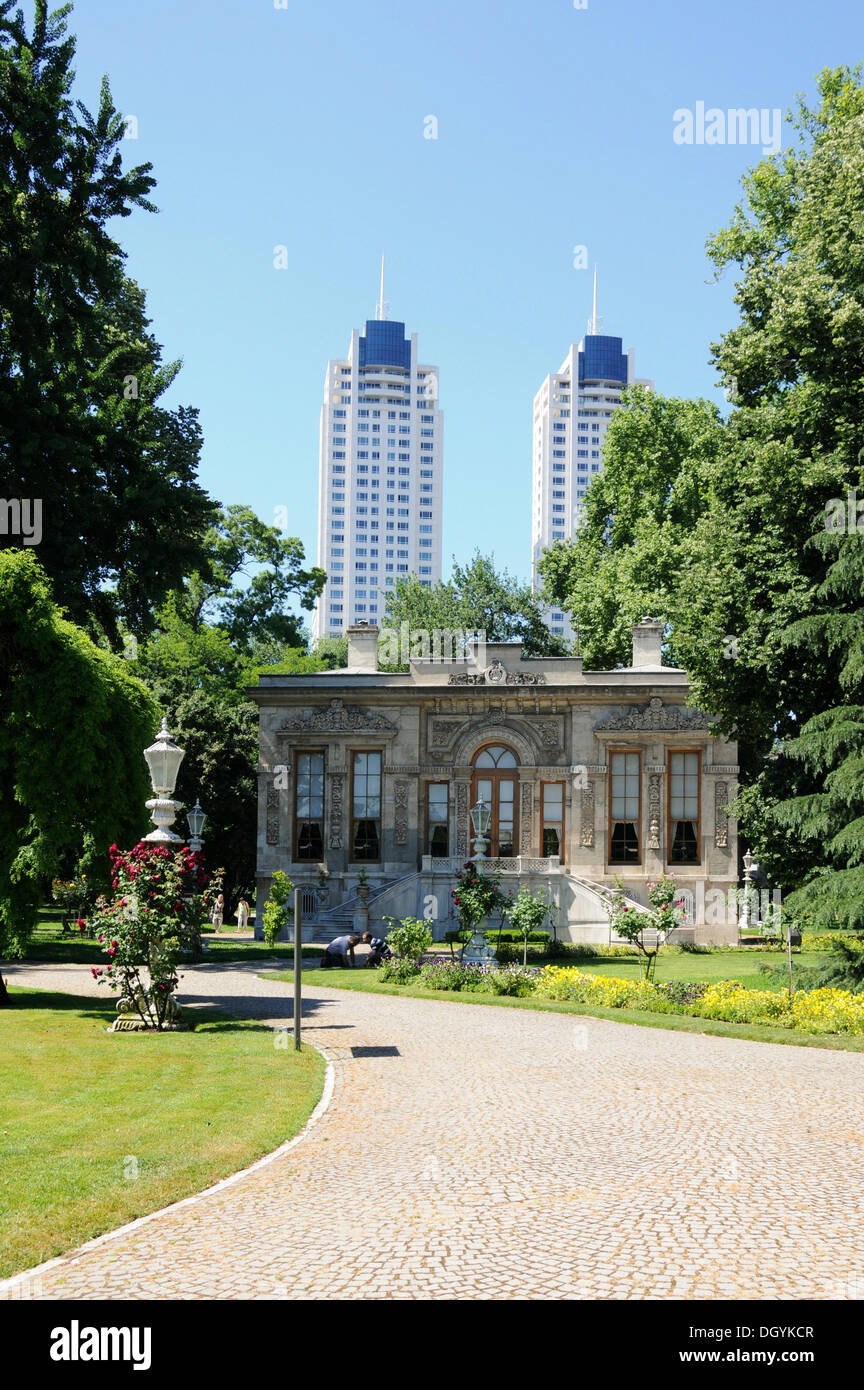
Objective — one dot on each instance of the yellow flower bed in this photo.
(810, 1011)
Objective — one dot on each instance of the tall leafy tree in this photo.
(477, 596)
(73, 725)
(82, 429)
(230, 619)
(660, 460)
(744, 575)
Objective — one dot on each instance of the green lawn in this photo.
(97, 1128)
(714, 965)
(718, 965)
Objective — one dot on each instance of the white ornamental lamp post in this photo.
(163, 760)
(751, 869)
(196, 820)
(481, 815)
(478, 951)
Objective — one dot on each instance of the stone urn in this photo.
(478, 951)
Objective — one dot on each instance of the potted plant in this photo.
(363, 885)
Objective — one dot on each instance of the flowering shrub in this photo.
(828, 941)
(812, 1011)
(440, 972)
(476, 896)
(156, 913)
(514, 981)
(399, 970)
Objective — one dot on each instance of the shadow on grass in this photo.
(27, 999)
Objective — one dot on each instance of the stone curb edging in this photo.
(8, 1286)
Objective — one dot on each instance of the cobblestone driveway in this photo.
(494, 1153)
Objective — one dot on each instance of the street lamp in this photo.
(481, 815)
(477, 951)
(196, 819)
(163, 761)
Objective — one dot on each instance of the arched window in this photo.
(495, 756)
(494, 780)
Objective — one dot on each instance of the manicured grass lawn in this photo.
(691, 968)
(714, 965)
(83, 1111)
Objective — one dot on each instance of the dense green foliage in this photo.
(712, 530)
(73, 723)
(212, 637)
(81, 376)
(477, 597)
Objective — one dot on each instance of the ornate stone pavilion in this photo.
(593, 777)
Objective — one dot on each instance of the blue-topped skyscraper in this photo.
(572, 411)
(380, 474)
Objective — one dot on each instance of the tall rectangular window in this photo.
(366, 806)
(683, 830)
(437, 835)
(552, 819)
(309, 804)
(624, 808)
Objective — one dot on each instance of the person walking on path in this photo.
(218, 913)
(242, 915)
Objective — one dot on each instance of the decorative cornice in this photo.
(497, 674)
(337, 718)
(656, 718)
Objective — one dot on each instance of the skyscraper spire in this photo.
(381, 307)
(594, 323)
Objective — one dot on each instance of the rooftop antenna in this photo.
(382, 306)
(595, 322)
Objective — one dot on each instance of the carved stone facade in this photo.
(462, 829)
(721, 820)
(586, 837)
(401, 820)
(337, 718)
(335, 837)
(653, 840)
(656, 716)
(272, 815)
(526, 818)
(412, 743)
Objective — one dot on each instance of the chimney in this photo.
(647, 642)
(363, 647)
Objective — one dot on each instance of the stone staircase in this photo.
(336, 921)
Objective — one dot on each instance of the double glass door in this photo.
(495, 781)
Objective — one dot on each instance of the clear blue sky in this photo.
(304, 126)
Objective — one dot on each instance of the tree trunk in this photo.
(4, 993)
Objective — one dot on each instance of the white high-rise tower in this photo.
(380, 474)
(572, 411)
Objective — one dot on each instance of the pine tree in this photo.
(81, 428)
(830, 745)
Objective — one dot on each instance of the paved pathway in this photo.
(512, 1154)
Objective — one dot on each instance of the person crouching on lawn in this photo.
(340, 953)
(378, 949)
